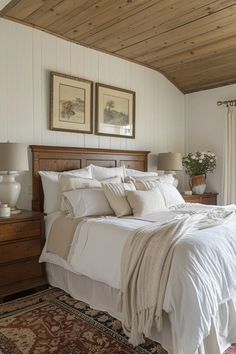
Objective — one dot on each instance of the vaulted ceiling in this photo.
(192, 42)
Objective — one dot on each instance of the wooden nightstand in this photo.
(21, 242)
(206, 198)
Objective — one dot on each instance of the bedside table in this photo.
(206, 198)
(21, 242)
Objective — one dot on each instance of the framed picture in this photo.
(71, 104)
(115, 111)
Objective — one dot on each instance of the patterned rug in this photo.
(53, 322)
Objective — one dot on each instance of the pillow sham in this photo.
(171, 195)
(51, 188)
(101, 173)
(68, 183)
(146, 202)
(87, 202)
(116, 196)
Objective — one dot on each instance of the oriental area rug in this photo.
(53, 322)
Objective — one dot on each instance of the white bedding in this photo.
(202, 275)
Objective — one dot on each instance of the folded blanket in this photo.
(61, 235)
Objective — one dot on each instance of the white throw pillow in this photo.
(101, 173)
(87, 202)
(51, 188)
(171, 195)
(146, 202)
(116, 196)
(137, 173)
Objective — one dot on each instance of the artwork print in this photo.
(115, 111)
(71, 103)
(72, 100)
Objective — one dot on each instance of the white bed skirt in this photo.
(102, 297)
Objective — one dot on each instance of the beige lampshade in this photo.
(13, 157)
(169, 161)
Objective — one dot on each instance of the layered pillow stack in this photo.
(86, 196)
(98, 191)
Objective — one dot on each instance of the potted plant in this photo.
(197, 165)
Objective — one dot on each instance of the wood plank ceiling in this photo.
(192, 42)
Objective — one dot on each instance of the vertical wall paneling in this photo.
(3, 84)
(37, 86)
(26, 58)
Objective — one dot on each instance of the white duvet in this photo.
(202, 275)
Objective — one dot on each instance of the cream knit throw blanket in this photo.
(146, 262)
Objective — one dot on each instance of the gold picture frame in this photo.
(115, 111)
(71, 104)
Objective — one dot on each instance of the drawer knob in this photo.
(18, 229)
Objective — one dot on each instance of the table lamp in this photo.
(13, 160)
(170, 162)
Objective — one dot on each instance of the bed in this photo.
(100, 294)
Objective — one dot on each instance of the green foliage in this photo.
(199, 163)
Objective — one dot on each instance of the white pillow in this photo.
(136, 173)
(146, 202)
(171, 195)
(168, 178)
(101, 173)
(87, 202)
(116, 196)
(51, 188)
(68, 183)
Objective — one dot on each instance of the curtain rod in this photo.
(228, 103)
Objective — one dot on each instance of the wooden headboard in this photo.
(55, 158)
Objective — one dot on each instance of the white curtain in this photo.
(229, 158)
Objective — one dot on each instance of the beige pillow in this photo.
(116, 196)
(145, 185)
(146, 202)
(69, 183)
(166, 178)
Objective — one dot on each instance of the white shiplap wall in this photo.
(26, 58)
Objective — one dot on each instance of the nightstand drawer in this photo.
(11, 273)
(18, 250)
(206, 198)
(16, 230)
(209, 200)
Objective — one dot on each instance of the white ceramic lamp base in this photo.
(10, 191)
